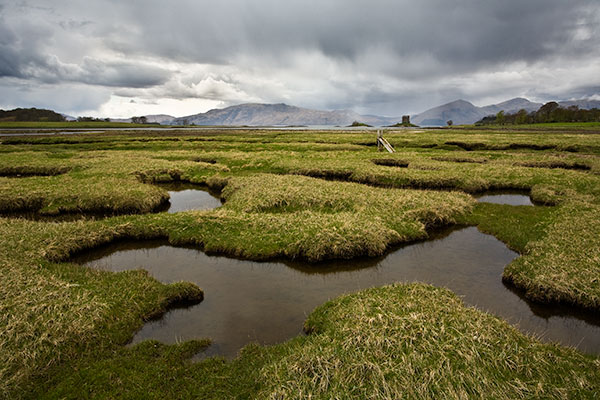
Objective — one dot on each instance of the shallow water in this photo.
(187, 196)
(513, 199)
(268, 302)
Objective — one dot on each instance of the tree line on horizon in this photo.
(43, 115)
(548, 113)
(30, 114)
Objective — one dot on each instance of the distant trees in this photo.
(450, 122)
(549, 112)
(521, 117)
(139, 120)
(31, 114)
(500, 119)
(92, 119)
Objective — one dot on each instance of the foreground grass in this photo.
(55, 317)
(51, 312)
(302, 219)
(361, 346)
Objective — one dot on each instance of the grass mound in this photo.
(558, 270)
(402, 341)
(419, 342)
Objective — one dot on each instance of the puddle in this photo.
(187, 196)
(509, 198)
(268, 302)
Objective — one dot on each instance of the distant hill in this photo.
(462, 112)
(31, 115)
(253, 114)
(512, 106)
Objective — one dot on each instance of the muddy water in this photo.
(267, 302)
(185, 196)
(513, 199)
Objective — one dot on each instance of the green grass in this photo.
(574, 263)
(514, 225)
(360, 346)
(62, 327)
(365, 346)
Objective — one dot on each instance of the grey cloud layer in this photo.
(462, 34)
(375, 56)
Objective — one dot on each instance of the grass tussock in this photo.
(419, 342)
(403, 341)
(51, 311)
(64, 194)
(559, 270)
(336, 219)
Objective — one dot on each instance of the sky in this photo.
(117, 58)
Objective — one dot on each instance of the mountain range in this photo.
(253, 114)
(279, 114)
(463, 112)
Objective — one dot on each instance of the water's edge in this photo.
(267, 302)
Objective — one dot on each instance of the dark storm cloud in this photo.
(459, 35)
(26, 52)
(373, 56)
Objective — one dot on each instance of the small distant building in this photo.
(406, 120)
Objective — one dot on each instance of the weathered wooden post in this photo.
(379, 136)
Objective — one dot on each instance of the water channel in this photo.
(267, 302)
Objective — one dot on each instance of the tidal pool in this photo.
(510, 198)
(186, 196)
(268, 302)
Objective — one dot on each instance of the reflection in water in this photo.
(267, 302)
(512, 199)
(186, 196)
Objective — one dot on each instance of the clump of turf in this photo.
(559, 270)
(314, 219)
(402, 341)
(49, 312)
(420, 342)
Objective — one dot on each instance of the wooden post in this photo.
(379, 135)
